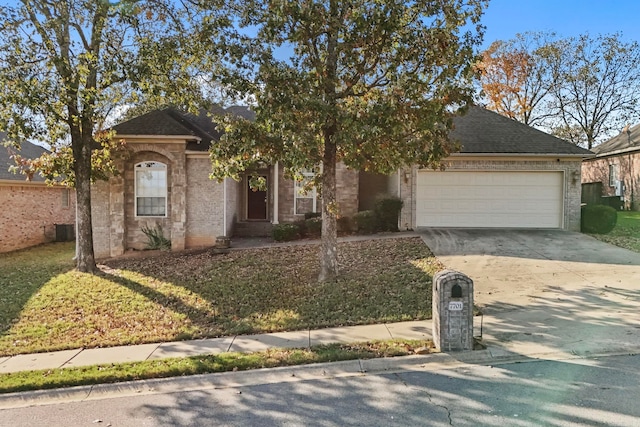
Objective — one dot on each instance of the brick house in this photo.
(31, 208)
(506, 175)
(165, 182)
(616, 166)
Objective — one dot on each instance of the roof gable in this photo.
(27, 150)
(625, 141)
(481, 131)
(172, 122)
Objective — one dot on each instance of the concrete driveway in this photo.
(556, 289)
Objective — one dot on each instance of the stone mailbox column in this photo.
(452, 311)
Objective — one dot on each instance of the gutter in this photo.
(556, 155)
(616, 152)
(161, 137)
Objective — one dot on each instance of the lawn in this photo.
(45, 305)
(626, 233)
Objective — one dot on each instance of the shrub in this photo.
(155, 238)
(598, 219)
(387, 209)
(310, 215)
(345, 224)
(302, 227)
(313, 227)
(365, 222)
(285, 232)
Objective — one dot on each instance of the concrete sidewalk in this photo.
(242, 343)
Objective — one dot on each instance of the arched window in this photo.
(151, 189)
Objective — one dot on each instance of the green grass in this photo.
(45, 305)
(626, 233)
(68, 377)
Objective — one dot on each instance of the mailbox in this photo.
(452, 311)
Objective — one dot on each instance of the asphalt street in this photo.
(577, 392)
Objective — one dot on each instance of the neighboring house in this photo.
(617, 166)
(30, 209)
(506, 175)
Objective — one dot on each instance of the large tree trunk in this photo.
(85, 260)
(329, 245)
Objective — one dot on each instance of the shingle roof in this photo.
(27, 150)
(481, 131)
(177, 123)
(623, 142)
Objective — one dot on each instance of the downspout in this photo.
(276, 180)
(224, 207)
(631, 183)
(400, 197)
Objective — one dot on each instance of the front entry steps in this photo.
(252, 229)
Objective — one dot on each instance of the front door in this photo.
(256, 202)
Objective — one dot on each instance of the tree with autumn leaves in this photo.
(582, 88)
(372, 84)
(67, 65)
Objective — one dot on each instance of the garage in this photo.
(490, 199)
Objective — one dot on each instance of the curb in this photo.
(350, 368)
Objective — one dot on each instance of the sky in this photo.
(505, 18)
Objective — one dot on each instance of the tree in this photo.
(597, 86)
(515, 77)
(370, 84)
(65, 65)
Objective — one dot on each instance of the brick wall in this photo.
(597, 170)
(346, 193)
(30, 212)
(570, 167)
(205, 204)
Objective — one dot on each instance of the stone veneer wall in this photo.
(31, 212)
(115, 226)
(572, 186)
(233, 207)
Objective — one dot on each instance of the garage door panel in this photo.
(489, 199)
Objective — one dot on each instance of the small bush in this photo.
(387, 209)
(598, 219)
(302, 227)
(156, 239)
(366, 222)
(313, 227)
(285, 232)
(310, 215)
(345, 225)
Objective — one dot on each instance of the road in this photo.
(578, 392)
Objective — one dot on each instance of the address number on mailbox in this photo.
(455, 305)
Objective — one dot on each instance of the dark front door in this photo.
(256, 203)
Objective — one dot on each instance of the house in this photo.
(616, 166)
(165, 182)
(506, 175)
(32, 209)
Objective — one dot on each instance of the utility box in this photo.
(452, 311)
(65, 232)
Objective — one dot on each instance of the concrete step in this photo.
(252, 229)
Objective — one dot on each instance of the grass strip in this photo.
(205, 364)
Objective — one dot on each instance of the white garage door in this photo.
(489, 199)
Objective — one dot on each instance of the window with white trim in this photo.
(151, 189)
(613, 175)
(304, 200)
